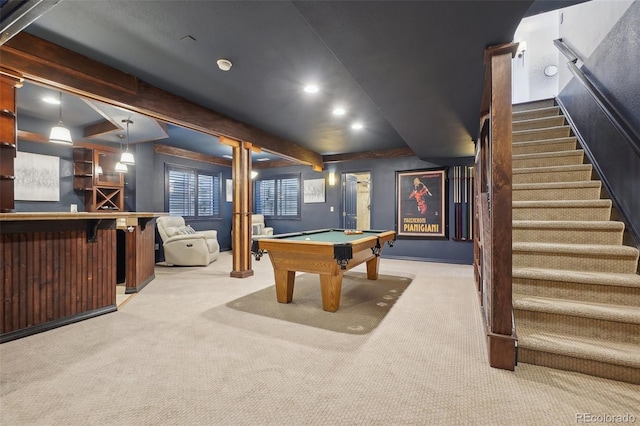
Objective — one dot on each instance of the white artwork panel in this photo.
(37, 177)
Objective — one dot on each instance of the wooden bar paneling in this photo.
(140, 257)
(45, 272)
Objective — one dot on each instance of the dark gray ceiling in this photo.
(412, 71)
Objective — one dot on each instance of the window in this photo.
(193, 193)
(278, 197)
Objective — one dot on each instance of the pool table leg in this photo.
(331, 287)
(285, 281)
(372, 268)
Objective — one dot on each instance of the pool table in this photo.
(328, 252)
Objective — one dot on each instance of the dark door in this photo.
(350, 201)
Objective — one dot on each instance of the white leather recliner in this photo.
(258, 228)
(183, 246)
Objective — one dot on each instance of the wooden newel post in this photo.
(242, 209)
(501, 336)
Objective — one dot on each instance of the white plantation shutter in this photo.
(193, 193)
(278, 197)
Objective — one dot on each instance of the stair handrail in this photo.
(612, 113)
(493, 202)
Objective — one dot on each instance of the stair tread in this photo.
(563, 139)
(570, 224)
(602, 350)
(600, 311)
(563, 127)
(563, 203)
(548, 154)
(584, 277)
(559, 185)
(614, 250)
(527, 111)
(551, 169)
(549, 117)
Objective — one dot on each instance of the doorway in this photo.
(356, 200)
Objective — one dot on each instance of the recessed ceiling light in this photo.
(230, 157)
(339, 111)
(224, 64)
(262, 159)
(357, 126)
(311, 88)
(51, 100)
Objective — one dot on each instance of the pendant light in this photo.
(127, 157)
(59, 133)
(121, 168)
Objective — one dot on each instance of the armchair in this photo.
(185, 247)
(258, 228)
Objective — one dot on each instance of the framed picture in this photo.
(37, 177)
(314, 191)
(421, 203)
(229, 190)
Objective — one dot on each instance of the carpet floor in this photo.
(196, 347)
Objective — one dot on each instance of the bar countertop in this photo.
(26, 216)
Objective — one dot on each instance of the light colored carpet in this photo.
(177, 354)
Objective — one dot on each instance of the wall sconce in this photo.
(332, 178)
(522, 47)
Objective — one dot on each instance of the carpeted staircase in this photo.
(576, 291)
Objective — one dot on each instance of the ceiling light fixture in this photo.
(357, 126)
(127, 157)
(51, 100)
(59, 133)
(339, 111)
(121, 168)
(224, 64)
(311, 88)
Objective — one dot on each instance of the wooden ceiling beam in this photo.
(47, 63)
(183, 153)
(369, 155)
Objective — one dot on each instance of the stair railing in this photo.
(493, 241)
(618, 121)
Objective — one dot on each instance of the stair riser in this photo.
(567, 236)
(566, 325)
(550, 177)
(574, 262)
(539, 147)
(541, 134)
(617, 295)
(564, 160)
(539, 123)
(535, 105)
(592, 368)
(536, 113)
(545, 194)
(561, 213)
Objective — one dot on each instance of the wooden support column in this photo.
(9, 82)
(241, 221)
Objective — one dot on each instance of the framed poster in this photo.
(37, 177)
(314, 191)
(421, 203)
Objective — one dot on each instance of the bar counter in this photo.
(58, 268)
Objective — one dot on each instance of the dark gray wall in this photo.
(383, 187)
(222, 225)
(613, 67)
